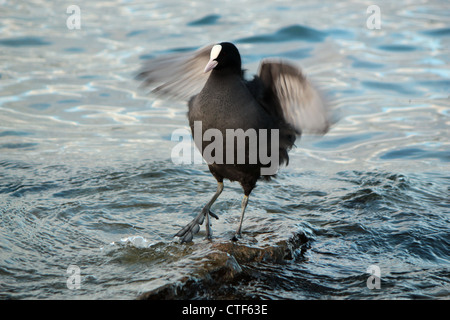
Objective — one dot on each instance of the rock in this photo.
(224, 265)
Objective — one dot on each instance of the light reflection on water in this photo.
(87, 179)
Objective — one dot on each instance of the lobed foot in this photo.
(187, 233)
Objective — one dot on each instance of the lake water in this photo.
(87, 184)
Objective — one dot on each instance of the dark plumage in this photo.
(278, 98)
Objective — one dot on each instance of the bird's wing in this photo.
(301, 104)
(178, 75)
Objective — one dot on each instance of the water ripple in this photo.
(24, 42)
(205, 21)
(291, 33)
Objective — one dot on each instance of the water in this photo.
(86, 176)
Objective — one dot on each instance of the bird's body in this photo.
(230, 108)
(265, 114)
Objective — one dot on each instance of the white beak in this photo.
(211, 65)
(215, 51)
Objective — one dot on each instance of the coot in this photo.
(246, 127)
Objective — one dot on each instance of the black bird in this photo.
(278, 100)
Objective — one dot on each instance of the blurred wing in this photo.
(301, 104)
(178, 75)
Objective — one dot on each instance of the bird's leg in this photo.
(243, 206)
(187, 233)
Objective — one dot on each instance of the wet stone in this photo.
(227, 265)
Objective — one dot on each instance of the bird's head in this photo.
(224, 56)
